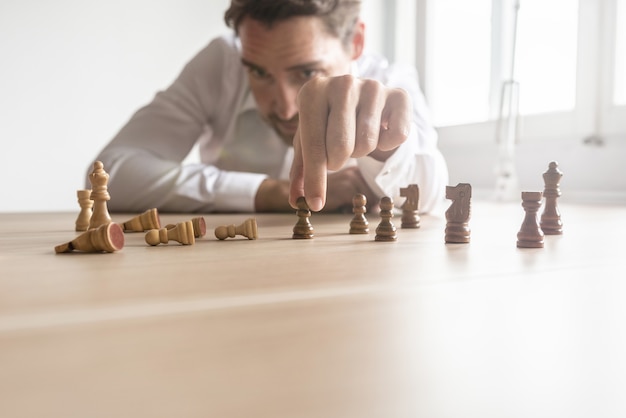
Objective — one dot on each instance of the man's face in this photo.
(281, 59)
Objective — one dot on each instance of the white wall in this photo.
(592, 173)
(73, 71)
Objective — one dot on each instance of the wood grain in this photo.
(334, 326)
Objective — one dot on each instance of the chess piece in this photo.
(410, 216)
(182, 232)
(386, 231)
(359, 224)
(247, 229)
(458, 214)
(303, 228)
(106, 238)
(100, 195)
(86, 205)
(199, 226)
(551, 218)
(144, 222)
(530, 234)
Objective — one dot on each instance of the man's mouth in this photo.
(289, 127)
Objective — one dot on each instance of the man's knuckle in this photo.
(372, 87)
(343, 82)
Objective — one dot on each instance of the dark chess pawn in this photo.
(303, 228)
(386, 231)
(359, 224)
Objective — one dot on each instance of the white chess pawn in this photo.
(182, 232)
(86, 205)
(143, 222)
(247, 229)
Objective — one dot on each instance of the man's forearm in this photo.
(273, 196)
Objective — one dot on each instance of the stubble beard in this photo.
(275, 122)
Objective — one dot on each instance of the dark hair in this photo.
(339, 16)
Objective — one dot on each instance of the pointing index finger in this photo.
(312, 150)
(296, 174)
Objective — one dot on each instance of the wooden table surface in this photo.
(336, 326)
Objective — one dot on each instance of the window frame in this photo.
(594, 114)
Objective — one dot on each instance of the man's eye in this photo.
(309, 74)
(257, 73)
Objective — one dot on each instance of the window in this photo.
(459, 61)
(546, 55)
(569, 65)
(620, 55)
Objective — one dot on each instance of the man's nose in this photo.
(285, 104)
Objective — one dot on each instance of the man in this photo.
(287, 106)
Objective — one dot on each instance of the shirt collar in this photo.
(248, 102)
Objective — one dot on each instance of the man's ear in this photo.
(358, 39)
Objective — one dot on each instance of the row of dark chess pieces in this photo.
(385, 231)
(100, 234)
(457, 229)
(533, 229)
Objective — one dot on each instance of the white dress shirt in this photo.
(210, 103)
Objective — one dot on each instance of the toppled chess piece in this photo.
(303, 228)
(530, 234)
(199, 226)
(386, 231)
(458, 214)
(106, 238)
(182, 233)
(359, 224)
(247, 229)
(143, 222)
(86, 208)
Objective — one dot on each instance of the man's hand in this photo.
(272, 195)
(341, 188)
(340, 118)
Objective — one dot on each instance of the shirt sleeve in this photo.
(145, 159)
(408, 165)
(417, 160)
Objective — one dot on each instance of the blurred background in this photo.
(512, 85)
